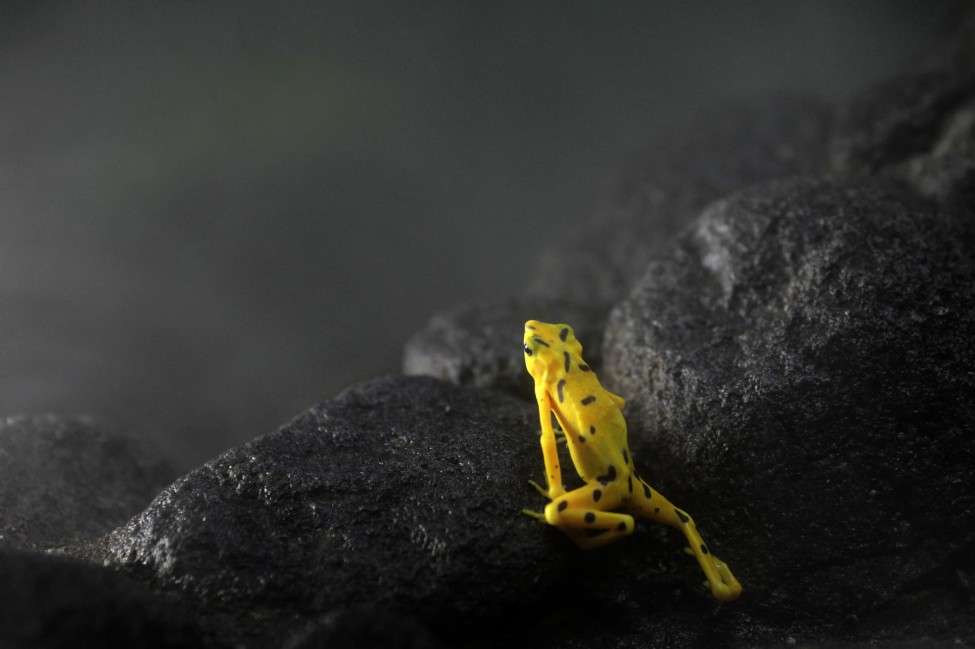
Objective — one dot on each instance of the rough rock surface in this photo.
(480, 344)
(800, 365)
(63, 480)
(665, 187)
(797, 364)
(403, 494)
(905, 115)
(798, 369)
(660, 191)
(920, 125)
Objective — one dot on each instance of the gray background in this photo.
(214, 214)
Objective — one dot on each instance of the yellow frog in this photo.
(595, 433)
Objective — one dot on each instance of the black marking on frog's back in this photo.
(561, 389)
(540, 341)
(592, 430)
(626, 458)
(568, 362)
(584, 367)
(609, 477)
(704, 549)
(564, 334)
(629, 483)
(590, 518)
(597, 494)
(646, 490)
(682, 516)
(588, 400)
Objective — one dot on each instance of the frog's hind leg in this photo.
(582, 514)
(649, 503)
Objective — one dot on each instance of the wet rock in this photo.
(665, 188)
(798, 375)
(480, 344)
(50, 602)
(63, 480)
(403, 494)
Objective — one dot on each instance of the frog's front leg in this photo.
(550, 452)
(584, 515)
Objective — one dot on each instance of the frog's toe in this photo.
(723, 586)
(539, 488)
(727, 577)
(728, 589)
(726, 593)
(536, 515)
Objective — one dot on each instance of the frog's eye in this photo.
(528, 350)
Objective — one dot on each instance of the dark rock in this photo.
(480, 344)
(62, 480)
(797, 366)
(50, 602)
(365, 629)
(660, 192)
(898, 119)
(918, 124)
(798, 374)
(946, 173)
(665, 188)
(403, 494)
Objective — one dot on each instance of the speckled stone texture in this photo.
(582, 273)
(787, 302)
(901, 117)
(663, 188)
(803, 379)
(797, 364)
(402, 494)
(64, 480)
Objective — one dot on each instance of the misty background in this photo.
(213, 215)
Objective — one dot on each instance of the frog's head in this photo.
(547, 346)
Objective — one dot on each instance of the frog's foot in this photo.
(721, 582)
(729, 589)
(536, 515)
(540, 489)
(580, 514)
(545, 492)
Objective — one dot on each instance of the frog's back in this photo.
(594, 426)
(587, 403)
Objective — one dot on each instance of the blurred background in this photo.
(213, 215)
